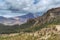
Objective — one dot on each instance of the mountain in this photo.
(28, 16)
(52, 16)
(2, 19)
(31, 24)
(24, 18)
(45, 27)
(16, 20)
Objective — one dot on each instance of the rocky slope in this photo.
(49, 16)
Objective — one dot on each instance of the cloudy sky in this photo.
(11, 8)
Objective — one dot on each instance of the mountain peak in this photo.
(28, 16)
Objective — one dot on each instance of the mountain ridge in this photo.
(16, 20)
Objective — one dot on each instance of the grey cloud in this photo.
(12, 7)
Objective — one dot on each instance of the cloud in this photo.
(22, 7)
(28, 5)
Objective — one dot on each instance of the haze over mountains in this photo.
(16, 20)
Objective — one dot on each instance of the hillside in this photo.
(40, 28)
(50, 33)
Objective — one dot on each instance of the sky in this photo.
(11, 8)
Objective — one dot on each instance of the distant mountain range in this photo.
(16, 20)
